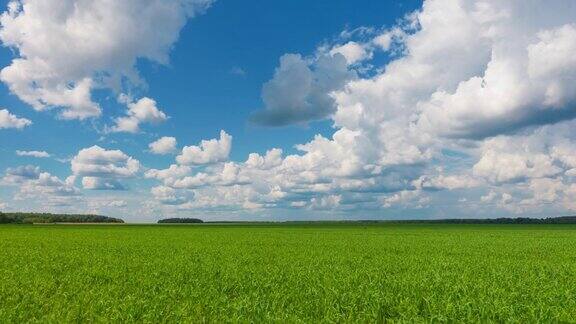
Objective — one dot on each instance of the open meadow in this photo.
(287, 272)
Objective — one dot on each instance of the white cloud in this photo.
(489, 197)
(208, 151)
(406, 198)
(545, 153)
(36, 154)
(68, 48)
(8, 120)
(34, 184)
(164, 145)
(96, 183)
(353, 52)
(170, 196)
(101, 168)
(21, 174)
(451, 182)
(326, 202)
(300, 90)
(144, 110)
(271, 159)
(169, 175)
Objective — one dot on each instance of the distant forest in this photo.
(519, 220)
(31, 218)
(180, 221)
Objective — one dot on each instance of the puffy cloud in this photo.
(386, 40)
(406, 198)
(450, 182)
(8, 120)
(300, 90)
(164, 145)
(68, 48)
(95, 183)
(208, 151)
(506, 167)
(528, 79)
(353, 52)
(169, 175)
(547, 152)
(271, 159)
(101, 169)
(170, 196)
(35, 184)
(21, 174)
(142, 111)
(36, 154)
(227, 174)
(47, 184)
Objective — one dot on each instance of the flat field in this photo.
(288, 273)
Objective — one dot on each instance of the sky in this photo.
(288, 110)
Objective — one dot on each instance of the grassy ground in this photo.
(310, 273)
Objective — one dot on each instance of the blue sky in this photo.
(382, 109)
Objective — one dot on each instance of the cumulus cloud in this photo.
(164, 145)
(96, 183)
(527, 80)
(35, 184)
(36, 154)
(406, 199)
(545, 153)
(8, 120)
(169, 175)
(170, 196)
(101, 169)
(208, 151)
(352, 51)
(21, 174)
(300, 90)
(144, 110)
(67, 48)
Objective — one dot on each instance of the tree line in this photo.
(31, 218)
(180, 221)
(503, 220)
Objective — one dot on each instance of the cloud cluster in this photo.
(474, 107)
(101, 169)
(67, 48)
(35, 184)
(483, 89)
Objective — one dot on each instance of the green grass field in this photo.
(294, 273)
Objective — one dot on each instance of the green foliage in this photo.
(288, 273)
(180, 221)
(34, 218)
